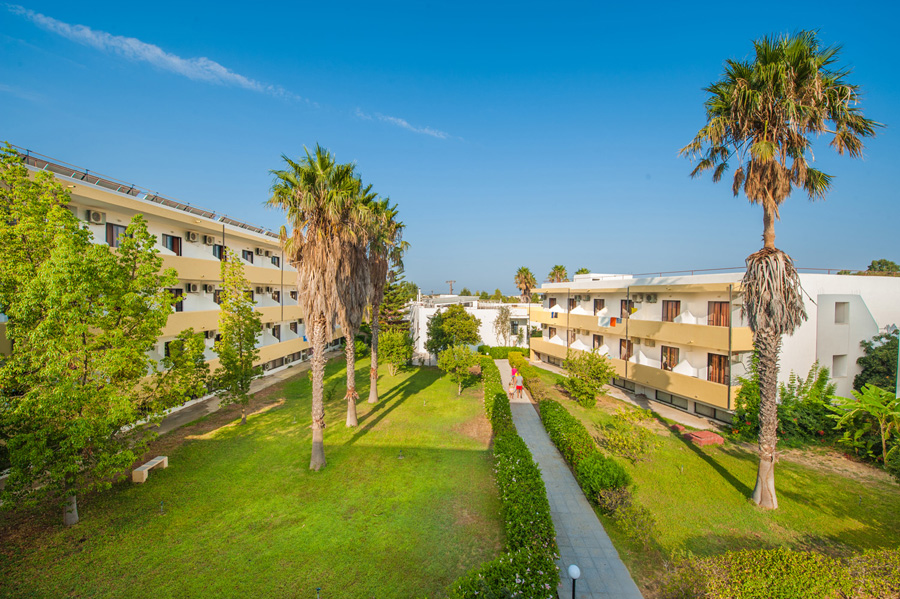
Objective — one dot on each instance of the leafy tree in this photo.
(452, 327)
(763, 113)
(498, 295)
(883, 266)
(397, 349)
(457, 361)
(503, 325)
(465, 291)
(879, 364)
(484, 296)
(82, 319)
(583, 271)
(880, 405)
(558, 274)
(394, 313)
(239, 328)
(588, 372)
(320, 198)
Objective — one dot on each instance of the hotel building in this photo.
(192, 241)
(682, 340)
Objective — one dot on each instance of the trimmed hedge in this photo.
(499, 352)
(598, 473)
(566, 432)
(529, 568)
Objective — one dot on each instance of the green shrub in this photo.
(636, 522)
(876, 573)
(499, 352)
(612, 500)
(516, 574)
(892, 462)
(626, 438)
(566, 432)
(361, 348)
(589, 372)
(598, 473)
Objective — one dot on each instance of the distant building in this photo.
(682, 340)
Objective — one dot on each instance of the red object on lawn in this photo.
(703, 438)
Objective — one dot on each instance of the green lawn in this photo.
(238, 513)
(700, 499)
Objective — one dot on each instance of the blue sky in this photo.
(509, 134)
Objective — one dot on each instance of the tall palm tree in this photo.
(386, 248)
(762, 114)
(583, 271)
(558, 274)
(525, 281)
(320, 198)
(352, 280)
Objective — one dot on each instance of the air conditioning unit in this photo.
(209, 240)
(260, 251)
(191, 287)
(192, 236)
(649, 343)
(651, 297)
(268, 290)
(211, 334)
(268, 254)
(577, 298)
(207, 288)
(96, 218)
(638, 297)
(259, 290)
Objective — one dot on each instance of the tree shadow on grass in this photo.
(413, 385)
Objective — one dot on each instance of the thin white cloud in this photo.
(198, 69)
(22, 94)
(403, 124)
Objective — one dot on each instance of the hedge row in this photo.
(566, 432)
(499, 352)
(533, 382)
(529, 568)
(785, 574)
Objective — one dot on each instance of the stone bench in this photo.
(140, 474)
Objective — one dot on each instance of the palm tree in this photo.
(525, 281)
(319, 196)
(386, 247)
(763, 113)
(583, 271)
(558, 274)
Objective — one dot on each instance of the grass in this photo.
(700, 499)
(239, 514)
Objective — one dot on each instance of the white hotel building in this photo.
(682, 340)
(192, 241)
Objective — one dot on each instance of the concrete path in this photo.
(579, 534)
(641, 401)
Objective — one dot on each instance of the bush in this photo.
(612, 500)
(498, 352)
(566, 432)
(361, 348)
(876, 573)
(516, 574)
(636, 522)
(626, 438)
(588, 372)
(598, 473)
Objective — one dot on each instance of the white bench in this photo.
(140, 474)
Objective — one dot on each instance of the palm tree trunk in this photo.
(70, 511)
(768, 225)
(373, 368)
(317, 336)
(352, 395)
(767, 344)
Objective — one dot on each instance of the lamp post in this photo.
(574, 574)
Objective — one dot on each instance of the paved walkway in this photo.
(579, 534)
(641, 401)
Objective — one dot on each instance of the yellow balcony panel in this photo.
(207, 320)
(577, 321)
(691, 335)
(704, 391)
(547, 348)
(200, 269)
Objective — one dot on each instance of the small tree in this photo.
(457, 361)
(394, 312)
(583, 271)
(503, 325)
(465, 291)
(396, 349)
(883, 265)
(452, 327)
(239, 328)
(883, 406)
(588, 372)
(879, 364)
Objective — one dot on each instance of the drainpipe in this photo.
(281, 295)
(568, 331)
(730, 326)
(627, 338)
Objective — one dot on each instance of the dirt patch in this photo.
(478, 428)
(828, 459)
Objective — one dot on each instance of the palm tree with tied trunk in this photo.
(525, 282)
(386, 248)
(320, 197)
(558, 274)
(762, 114)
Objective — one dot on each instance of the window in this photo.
(515, 327)
(293, 327)
(839, 366)
(247, 255)
(276, 295)
(170, 242)
(626, 349)
(841, 312)
(719, 314)
(599, 305)
(552, 332)
(670, 310)
(294, 295)
(219, 252)
(217, 296)
(276, 260)
(627, 308)
(598, 341)
(166, 348)
(552, 302)
(179, 303)
(669, 357)
(276, 331)
(113, 233)
(703, 410)
(571, 337)
(717, 369)
(572, 304)
(249, 294)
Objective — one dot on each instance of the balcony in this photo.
(200, 269)
(207, 320)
